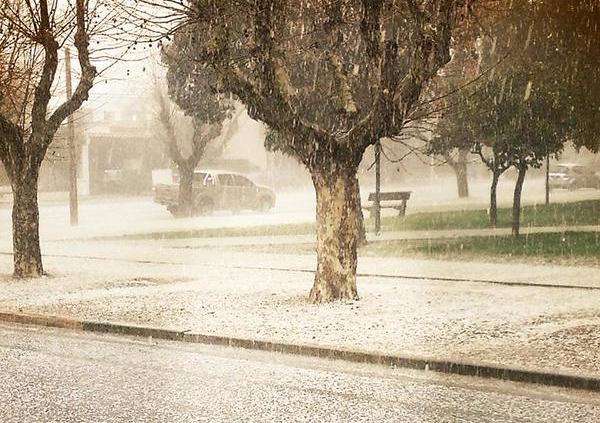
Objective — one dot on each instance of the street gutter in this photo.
(464, 368)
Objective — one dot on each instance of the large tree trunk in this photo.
(494, 199)
(337, 235)
(516, 211)
(186, 190)
(25, 217)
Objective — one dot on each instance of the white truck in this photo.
(213, 190)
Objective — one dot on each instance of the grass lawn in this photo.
(568, 248)
(563, 248)
(265, 230)
(576, 213)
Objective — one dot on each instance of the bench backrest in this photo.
(391, 196)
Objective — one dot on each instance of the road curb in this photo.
(464, 368)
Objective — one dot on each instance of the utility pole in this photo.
(73, 205)
(377, 202)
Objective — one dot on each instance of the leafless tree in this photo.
(187, 150)
(191, 96)
(32, 34)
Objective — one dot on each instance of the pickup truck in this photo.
(217, 190)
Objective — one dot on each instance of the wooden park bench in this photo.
(389, 200)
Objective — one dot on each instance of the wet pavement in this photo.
(60, 376)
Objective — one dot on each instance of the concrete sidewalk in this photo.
(186, 252)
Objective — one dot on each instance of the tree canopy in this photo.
(536, 87)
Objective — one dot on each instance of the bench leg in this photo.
(402, 211)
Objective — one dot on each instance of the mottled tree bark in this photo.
(516, 211)
(25, 218)
(337, 235)
(494, 199)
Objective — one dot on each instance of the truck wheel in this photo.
(174, 210)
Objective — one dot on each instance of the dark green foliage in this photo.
(573, 57)
(565, 248)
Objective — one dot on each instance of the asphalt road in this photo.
(49, 375)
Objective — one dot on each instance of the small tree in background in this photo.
(522, 106)
(526, 131)
(495, 159)
(455, 150)
(458, 160)
(443, 114)
(527, 101)
(192, 94)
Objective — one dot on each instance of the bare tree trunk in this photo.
(462, 179)
(186, 190)
(337, 235)
(494, 199)
(516, 211)
(459, 166)
(25, 218)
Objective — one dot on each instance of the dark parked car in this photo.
(574, 176)
(216, 190)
